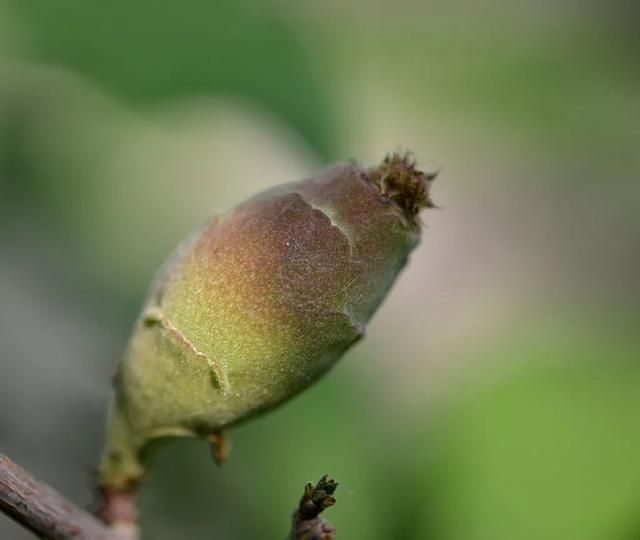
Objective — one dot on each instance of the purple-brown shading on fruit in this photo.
(260, 302)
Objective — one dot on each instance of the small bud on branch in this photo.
(306, 522)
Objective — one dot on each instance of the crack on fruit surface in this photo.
(334, 223)
(155, 315)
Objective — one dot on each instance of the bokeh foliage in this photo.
(148, 53)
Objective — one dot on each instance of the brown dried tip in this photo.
(317, 498)
(401, 183)
(307, 523)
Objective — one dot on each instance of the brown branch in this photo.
(41, 509)
(307, 524)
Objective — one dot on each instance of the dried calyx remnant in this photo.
(259, 303)
(399, 181)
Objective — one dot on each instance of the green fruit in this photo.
(261, 302)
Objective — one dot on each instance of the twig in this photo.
(307, 523)
(41, 509)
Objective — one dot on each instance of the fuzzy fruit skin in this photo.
(272, 294)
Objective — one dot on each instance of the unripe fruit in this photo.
(260, 302)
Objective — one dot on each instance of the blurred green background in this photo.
(497, 395)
